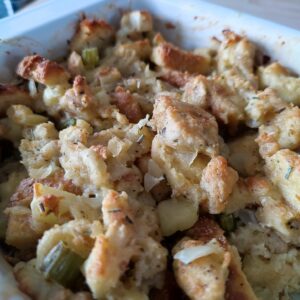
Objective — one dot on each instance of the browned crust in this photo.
(169, 56)
(175, 78)
(127, 105)
(12, 94)
(93, 25)
(205, 230)
(141, 48)
(42, 70)
(24, 192)
(91, 33)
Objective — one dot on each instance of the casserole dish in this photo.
(181, 26)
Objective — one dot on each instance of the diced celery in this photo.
(227, 222)
(62, 265)
(90, 57)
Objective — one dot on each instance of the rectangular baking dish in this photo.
(46, 28)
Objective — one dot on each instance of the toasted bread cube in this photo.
(92, 33)
(218, 180)
(185, 127)
(19, 232)
(282, 81)
(283, 169)
(136, 21)
(42, 70)
(169, 56)
(11, 94)
(282, 132)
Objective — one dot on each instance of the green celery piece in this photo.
(62, 265)
(90, 57)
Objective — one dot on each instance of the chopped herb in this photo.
(280, 110)
(140, 139)
(42, 207)
(288, 172)
(255, 98)
(114, 210)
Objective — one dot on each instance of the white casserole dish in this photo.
(46, 28)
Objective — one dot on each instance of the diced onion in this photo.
(151, 181)
(32, 88)
(247, 216)
(188, 157)
(190, 254)
(154, 169)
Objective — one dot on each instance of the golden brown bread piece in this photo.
(169, 56)
(91, 33)
(127, 105)
(218, 180)
(12, 94)
(216, 276)
(42, 70)
(185, 127)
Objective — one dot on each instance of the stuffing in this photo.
(262, 107)
(83, 165)
(32, 283)
(207, 267)
(135, 22)
(78, 235)
(217, 181)
(75, 64)
(92, 33)
(273, 136)
(275, 213)
(127, 105)
(8, 285)
(184, 127)
(176, 215)
(10, 131)
(108, 77)
(282, 168)
(20, 231)
(151, 171)
(40, 151)
(8, 186)
(24, 191)
(282, 81)
(52, 206)
(182, 169)
(24, 116)
(226, 105)
(244, 155)
(141, 49)
(11, 94)
(266, 258)
(206, 276)
(196, 92)
(169, 56)
(175, 78)
(124, 241)
(237, 52)
(42, 70)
